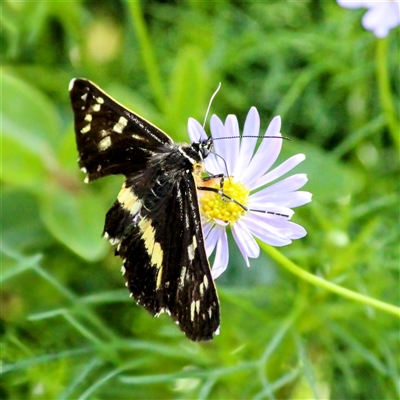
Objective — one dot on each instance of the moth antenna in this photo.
(249, 136)
(240, 137)
(209, 104)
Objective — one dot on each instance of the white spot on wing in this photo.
(120, 125)
(162, 310)
(201, 289)
(141, 138)
(85, 129)
(159, 272)
(152, 246)
(129, 201)
(191, 248)
(105, 143)
(96, 107)
(192, 309)
(114, 241)
(182, 278)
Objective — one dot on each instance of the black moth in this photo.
(155, 221)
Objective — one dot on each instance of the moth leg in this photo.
(224, 196)
(220, 191)
(211, 177)
(228, 198)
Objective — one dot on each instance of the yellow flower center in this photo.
(215, 206)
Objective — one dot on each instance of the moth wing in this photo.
(111, 139)
(166, 265)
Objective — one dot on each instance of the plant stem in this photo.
(322, 283)
(385, 92)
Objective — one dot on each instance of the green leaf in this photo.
(21, 166)
(30, 127)
(67, 153)
(187, 91)
(27, 115)
(328, 178)
(75, 219)
(20, 222)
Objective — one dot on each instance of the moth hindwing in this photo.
(155, 221)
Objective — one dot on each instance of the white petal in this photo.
(247, 144)
(211, 237)
(352, 4)
(211, 164)
(215, 237)
(233, 145)
(294, 231)
(245, 241)
(196, 131)
(280, 170)
(226, 149)
(287, 185)
(219, 146)
(220, 222)
(216, 127)
(280, 226)
(381, 18)
(221, 255)
(270, 202)
(207, 226)
(265, 232)
(273, 221)
(266, 154)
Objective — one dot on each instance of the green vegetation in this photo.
(289, 330)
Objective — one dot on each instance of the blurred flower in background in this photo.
(380, 17)
(269, 209)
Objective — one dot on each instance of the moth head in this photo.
(203, 148)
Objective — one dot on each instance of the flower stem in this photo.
(322, 283)
(385, 92)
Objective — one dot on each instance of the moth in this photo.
(155, 221)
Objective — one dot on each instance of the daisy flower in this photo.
(380, 17)
(267, 207)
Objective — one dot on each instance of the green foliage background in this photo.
(69, 329)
